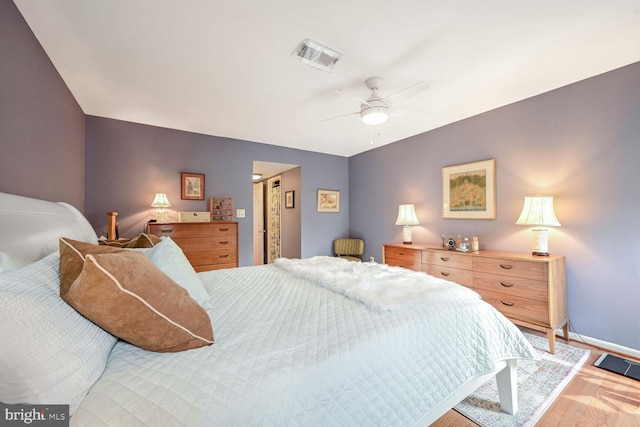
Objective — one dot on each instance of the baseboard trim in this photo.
(622, 350)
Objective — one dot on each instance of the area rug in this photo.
(539, 384)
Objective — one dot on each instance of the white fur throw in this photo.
(378, 286)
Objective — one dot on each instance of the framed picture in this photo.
(469, 190)
(328, 201)
(289, 199)
(192, 186)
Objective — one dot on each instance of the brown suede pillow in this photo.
(72, 253)
(144, 240)
(127, 295)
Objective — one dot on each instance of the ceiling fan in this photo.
(375, 109)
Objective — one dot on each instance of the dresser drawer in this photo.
(206, 243)
(447, 259)
(511, 267)
(192, 229)
(508, 285)
(516, 307)
(463, 277)
(197, 258)
(407, 258)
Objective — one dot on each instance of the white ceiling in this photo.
(225, 68)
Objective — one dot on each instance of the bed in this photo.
(318, 342)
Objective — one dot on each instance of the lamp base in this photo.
(540, 242)
(162, 215)
(540, 253)
(406, 235)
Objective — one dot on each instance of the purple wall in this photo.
(41, 124)
(578, 144)
(128, 163)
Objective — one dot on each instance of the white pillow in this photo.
(169, 258)
(50, 353)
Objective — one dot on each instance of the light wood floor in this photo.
(594, 397)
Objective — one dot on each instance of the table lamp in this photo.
(538, 211)
(407, 218)
(162, 203)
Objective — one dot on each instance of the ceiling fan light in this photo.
(374, 116)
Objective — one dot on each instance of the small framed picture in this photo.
(328, 201)
(192, 185)
(289, 199)
(469, 190)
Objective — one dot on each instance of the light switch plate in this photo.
(239, 213)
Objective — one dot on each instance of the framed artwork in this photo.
(192, 185)
(469, 190)
(289, 199)
(328, 201)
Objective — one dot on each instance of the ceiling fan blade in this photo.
(405, 93)
(341, 115)
(401, 107)
(353, 98)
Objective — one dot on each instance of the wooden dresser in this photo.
(530, 290)
(207, 245)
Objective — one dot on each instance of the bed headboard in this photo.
(30, 228)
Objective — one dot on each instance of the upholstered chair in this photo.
(351, 249)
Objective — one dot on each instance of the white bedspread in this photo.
(291, 353)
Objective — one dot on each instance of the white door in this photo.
(258, 224)
(273, 219)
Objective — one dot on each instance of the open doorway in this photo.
(277, 225)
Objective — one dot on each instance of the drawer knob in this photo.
(444, 274)
(400, 253)
(444, 258)
(224, 229)
(507, 303)
(506, 284)
(506, 266)
(224, 242)
(224, 256)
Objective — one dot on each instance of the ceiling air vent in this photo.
(317, 55)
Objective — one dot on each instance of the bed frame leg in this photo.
(508, 388)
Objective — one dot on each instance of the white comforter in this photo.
(291, 352)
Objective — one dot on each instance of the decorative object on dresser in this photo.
(207, 245)
(221, 208)
(194, 217)
(531, 291)
(406, 217)
(538, 211)
(469, 190)
(161, 203)
(192, 186)
(112, 226)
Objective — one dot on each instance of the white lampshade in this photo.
(538, 211)
(407, 217)
(162, 203)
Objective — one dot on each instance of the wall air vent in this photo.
(317, 55)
